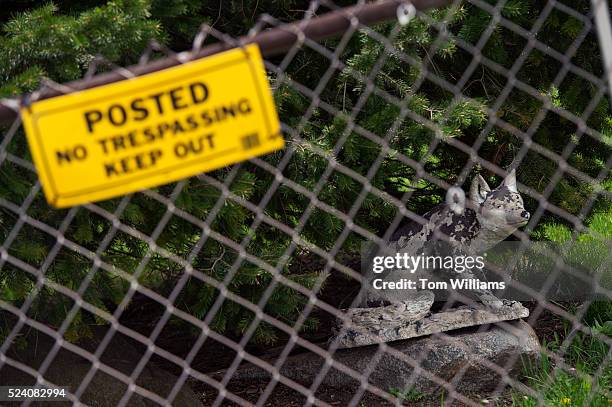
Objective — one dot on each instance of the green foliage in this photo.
(588, 251)
(410, 394)
(180, 19)
(44, 43)
(58, 40)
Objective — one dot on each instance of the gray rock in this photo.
(441, 355)
(410, 319)
(68, 369)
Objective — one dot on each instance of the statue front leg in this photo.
(486, 297)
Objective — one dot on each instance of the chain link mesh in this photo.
(332, 259)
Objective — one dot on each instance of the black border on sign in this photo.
(35, 117)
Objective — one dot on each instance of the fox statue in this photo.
(465, 227)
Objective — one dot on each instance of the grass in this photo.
(409, 394)
(588, 382)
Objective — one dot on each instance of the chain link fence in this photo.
(492, 114)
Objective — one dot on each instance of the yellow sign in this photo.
(153, 129)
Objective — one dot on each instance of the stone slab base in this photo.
(374, 326)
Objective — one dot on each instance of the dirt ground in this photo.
(282, 396)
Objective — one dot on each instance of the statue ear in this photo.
(479, 189)
(455, 199)
(510, 181)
